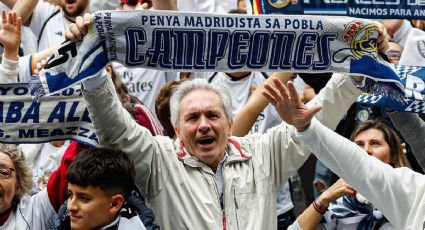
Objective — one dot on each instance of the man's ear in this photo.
(177, 131)
(108, 68)
(230, 128)
(126, 99)
(117, 201)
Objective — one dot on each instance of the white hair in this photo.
(196, 84)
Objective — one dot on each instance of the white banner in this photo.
(60, 116)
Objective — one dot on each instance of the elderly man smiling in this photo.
(207, 179)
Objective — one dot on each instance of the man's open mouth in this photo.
(206, 140)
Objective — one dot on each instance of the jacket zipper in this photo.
(222, 199)
(236, 206)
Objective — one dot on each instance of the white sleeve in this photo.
(25, 68)
(8, 71)
(398, 193)
(41, 13)
(414, 49)
(36, 210)
(335, 98)
(295, 226)
(400, 36)
(94, 83)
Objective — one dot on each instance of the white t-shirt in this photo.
(207, 6)
(48, 33)
(242, 89)
(98, 5)
(43, 159)
(144, 84)
(33, 212)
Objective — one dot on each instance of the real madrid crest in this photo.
(278, 3)
(362, 39)
(421, 48)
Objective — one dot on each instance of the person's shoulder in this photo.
(45, 8)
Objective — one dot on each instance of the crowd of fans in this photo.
(178, 151)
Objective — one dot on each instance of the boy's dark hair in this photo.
(109, 169)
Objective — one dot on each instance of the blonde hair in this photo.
(22, 169)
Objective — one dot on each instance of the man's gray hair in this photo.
(198, 84)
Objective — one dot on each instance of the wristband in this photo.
(320, 208)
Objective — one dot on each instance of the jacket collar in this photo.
(234, 152)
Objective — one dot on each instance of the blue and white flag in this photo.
(412, 76)
(413, 80)
(57, 117)
(176, 41)
(349, 213)
(377, 9)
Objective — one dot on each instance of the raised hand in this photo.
(383, 38)
(289, 105)
(338, 189)
(39, 66)
(142, 6)
(10, 34)
(79, 29)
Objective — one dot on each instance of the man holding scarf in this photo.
(207, 179)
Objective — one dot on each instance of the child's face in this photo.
(89, 207)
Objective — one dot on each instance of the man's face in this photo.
(74, 8)
(203, 126)
(7, 185)
(89, 207)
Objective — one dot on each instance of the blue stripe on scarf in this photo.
(96, 64)
(351, 207)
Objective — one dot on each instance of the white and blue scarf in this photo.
(175, 41)
(61, 116)
(350, 211)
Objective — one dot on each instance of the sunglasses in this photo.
(393, 54)
(131, 2)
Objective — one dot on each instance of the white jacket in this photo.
(182, 191)
(399, 193)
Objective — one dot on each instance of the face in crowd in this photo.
(74, 8)
(135, 4)
(8, 182)
(15, 176)
(90, 207)
(373, 142)
(203, 126)
(99, 179)
(420, 24)
(380, 141)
